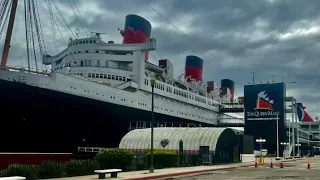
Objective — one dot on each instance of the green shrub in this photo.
(29, 171)
(163, 158)
(81, 167)
(52, 169)
(115, 158)
(3, 173)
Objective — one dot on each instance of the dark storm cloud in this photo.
(277, 38)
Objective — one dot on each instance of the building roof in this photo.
(192, 138)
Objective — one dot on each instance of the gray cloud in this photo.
(276, 38)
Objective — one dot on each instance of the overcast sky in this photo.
(277, 38)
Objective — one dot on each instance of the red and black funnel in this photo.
(136, 30)
(227, 84)
(210, 86)
(193, 68)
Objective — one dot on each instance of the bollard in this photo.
(255, 164)
(271, 164)
(281, 165)
(308, 166)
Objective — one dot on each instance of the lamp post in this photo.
(153, 82)
(278, 137)
(298, 145)
(260, 141)
(284, 144)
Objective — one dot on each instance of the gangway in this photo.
(231, 108)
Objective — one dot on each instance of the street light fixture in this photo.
(260, 141)
(284, 144)
(277, 137)
(153, 82)
(298, 153)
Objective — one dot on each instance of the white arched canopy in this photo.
(193, 138)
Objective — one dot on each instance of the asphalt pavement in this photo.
(293, 170)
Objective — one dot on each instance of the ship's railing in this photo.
(231, 106)
(231, 121)
(90, 149)
(32, 70)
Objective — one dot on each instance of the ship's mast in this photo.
(7, 41)
(253, 75)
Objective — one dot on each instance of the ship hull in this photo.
(35, 119)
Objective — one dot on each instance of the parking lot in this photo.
(292, 170)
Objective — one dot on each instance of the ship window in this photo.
(97, 51)
(124, 79)
(90, 41)
(81, 74)
(94, 41)
(120, 78)
(117, 77)
(112, 77)
(87, 51)
(89, 74)
(85, 62)
(80, 42)
(93, 75)
(101, 75)
(109, 76)
(81, 63)
(128, 79)
(97, 75)
(105, 76)
(98, 63)
(79, 51)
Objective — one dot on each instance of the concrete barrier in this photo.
(248, 158)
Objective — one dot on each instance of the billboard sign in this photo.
(264, 101)
(263, 104)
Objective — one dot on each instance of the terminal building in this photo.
(271, 116)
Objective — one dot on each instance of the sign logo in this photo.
(264, 102)
(263, 109)
(164, 142)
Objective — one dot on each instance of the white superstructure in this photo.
(119, 74)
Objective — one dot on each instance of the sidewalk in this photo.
(170, 172)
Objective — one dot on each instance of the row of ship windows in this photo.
(101, 52)
(156, 107)
(179, 103)
(83, 63)
(104, 76)
(108, 76)
(82, 42)
(180, 93)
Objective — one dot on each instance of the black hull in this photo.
(40, 120)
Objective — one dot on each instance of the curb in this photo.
(196, 172)
(186, 173)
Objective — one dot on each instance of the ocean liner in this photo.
(97, 91)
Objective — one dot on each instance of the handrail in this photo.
(90, 149)
(32, 70)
